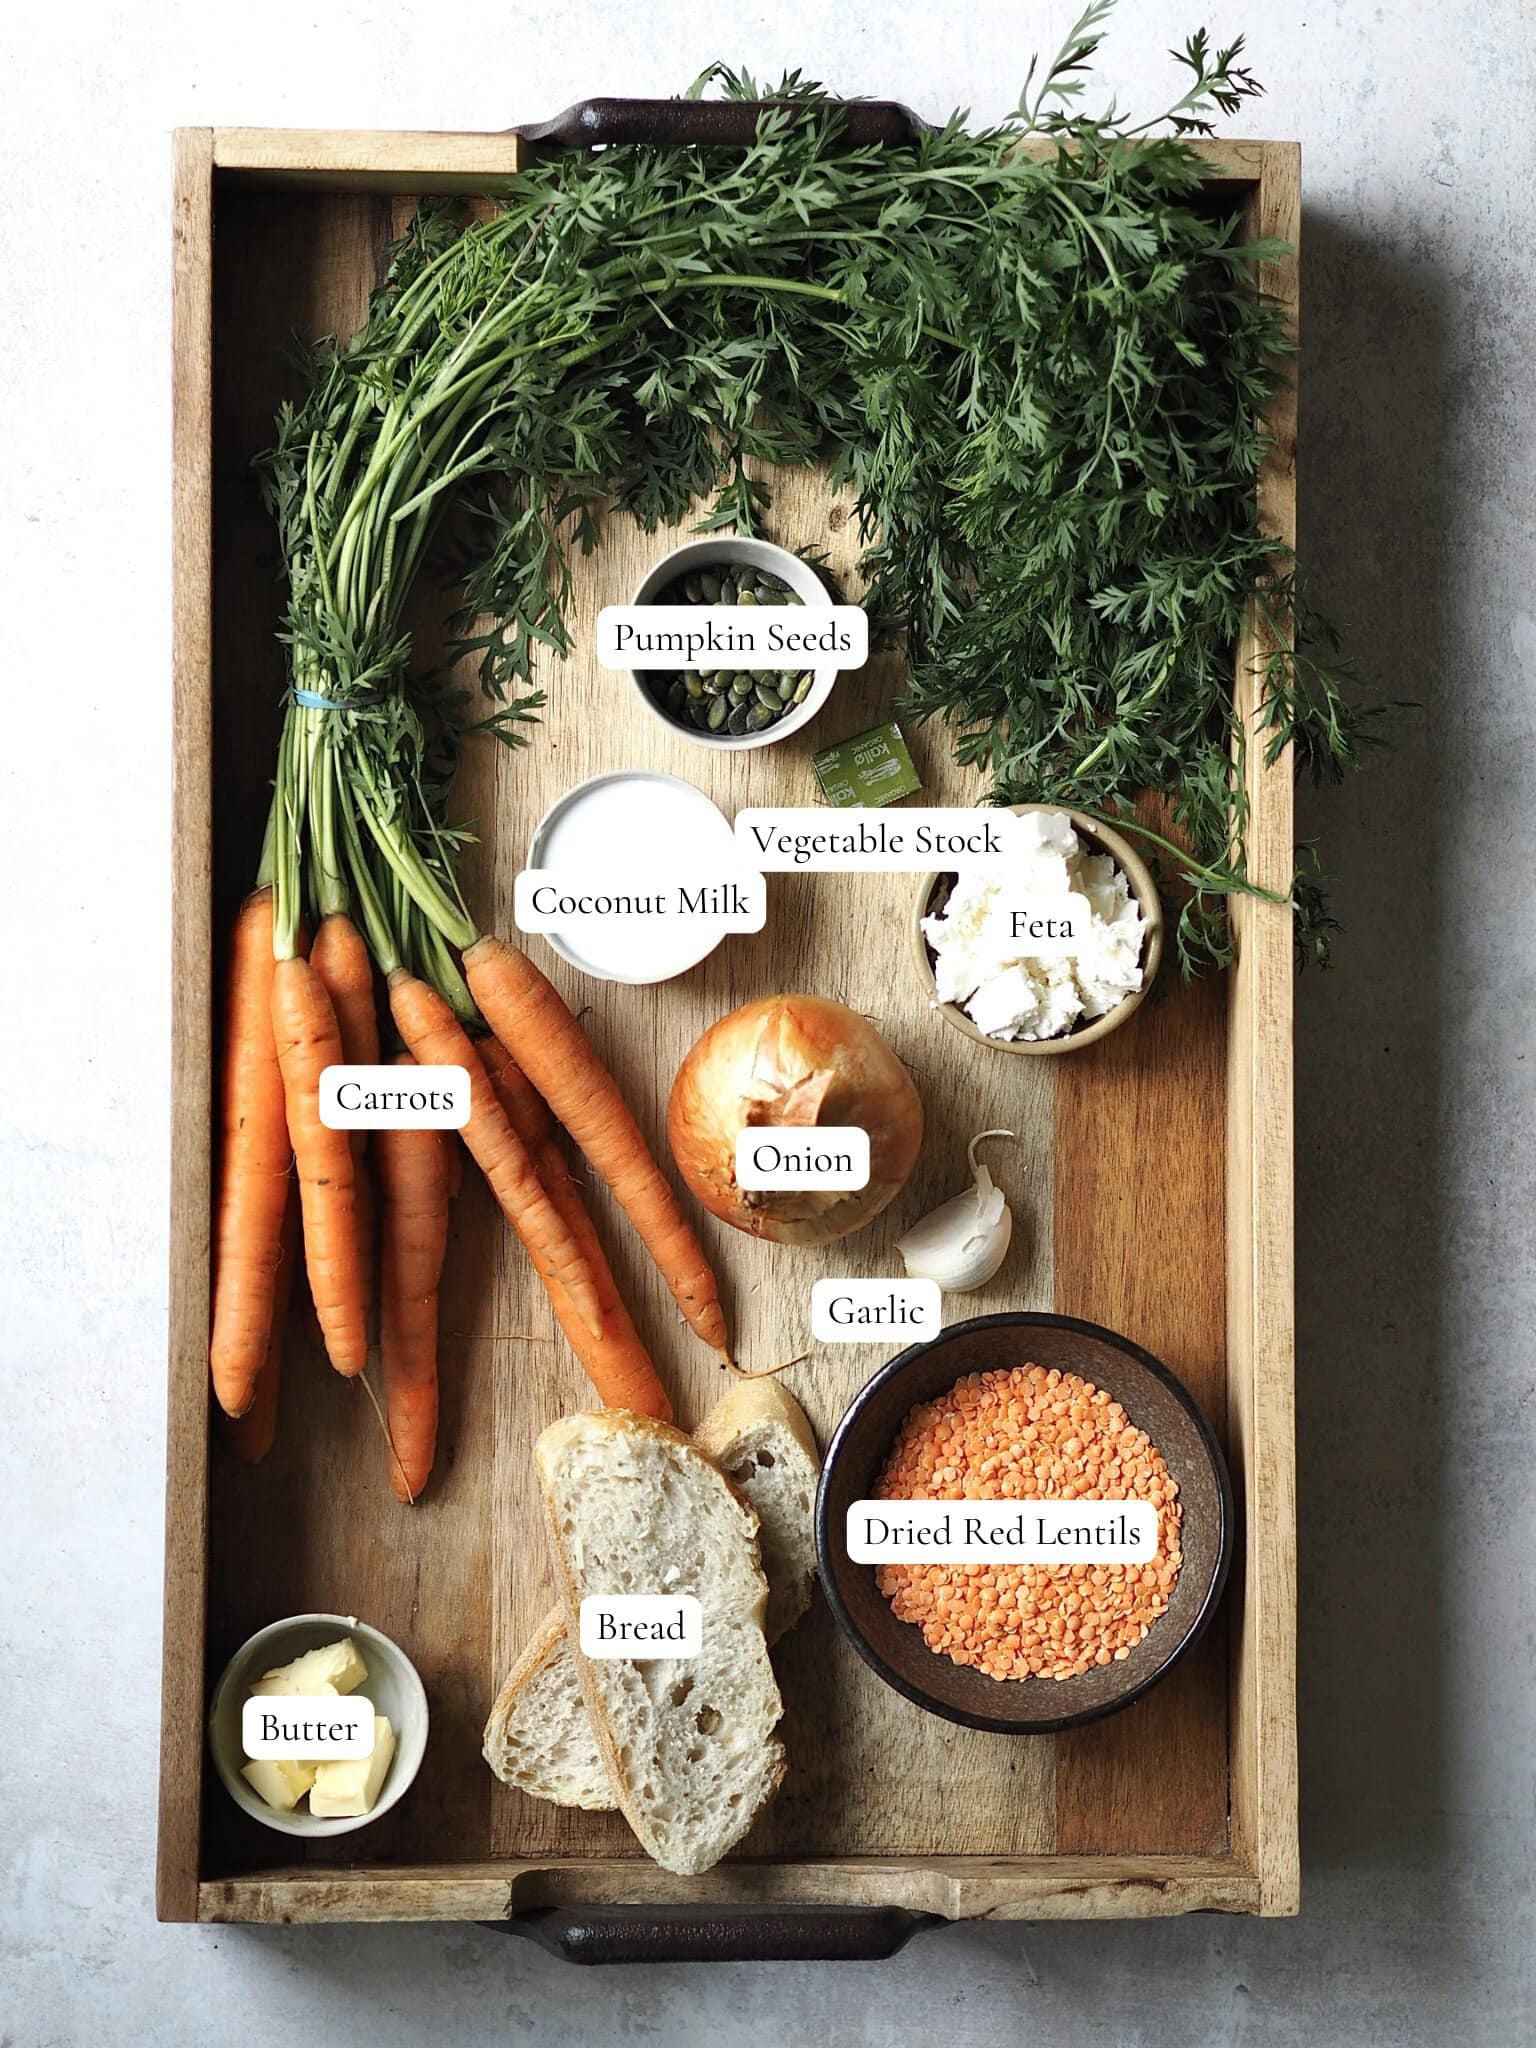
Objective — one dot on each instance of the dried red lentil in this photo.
(1029, 1434)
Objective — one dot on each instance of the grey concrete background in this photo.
(1415, 1108)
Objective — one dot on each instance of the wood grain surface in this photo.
(1261, 1284)
(1116, 1180)
(957, 1887)
(186, 1481)
(1139, 1218)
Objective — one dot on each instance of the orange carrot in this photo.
(529, 1016)
(437, 1038)
(253, 1166)
(251, 1435)
(616, 1360)
(308, 1041)
(340, 957)
(525, 1106)
(415, 1180)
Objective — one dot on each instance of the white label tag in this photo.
(294, 1726)
(1041, 926)
(557, 900)
(641, 1626)
(831, 1158)
(808, 842)
(1002, 1532)
(394, 1098)
(728, 636)
(874, 1311)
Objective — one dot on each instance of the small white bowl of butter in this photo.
(348, 1657)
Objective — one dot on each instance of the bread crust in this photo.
(749, 1406)
(548, 1641)
(550, 1448)
(754, 1399)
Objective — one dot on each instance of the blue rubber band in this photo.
(312, 700)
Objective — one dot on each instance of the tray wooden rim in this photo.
(1261, 1874)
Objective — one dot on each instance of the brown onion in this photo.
(792, 1061)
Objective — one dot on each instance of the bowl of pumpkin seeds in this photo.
(726, 705)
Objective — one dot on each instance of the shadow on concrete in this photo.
(1378, 506)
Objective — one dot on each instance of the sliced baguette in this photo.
(688, 1744)
(758, 1435)
(538, 1738)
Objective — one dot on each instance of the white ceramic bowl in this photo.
(643, 785)
(757, 554)
(1100, 838)
(393, 1686)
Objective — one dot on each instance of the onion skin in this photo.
(792, 1061)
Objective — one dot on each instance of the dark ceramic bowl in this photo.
(1154, 1401)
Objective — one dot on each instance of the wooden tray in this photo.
(1152, 1185)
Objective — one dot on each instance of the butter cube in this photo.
(317, 1692)
(280, 1782)
(351, 1785)
(338, 1668)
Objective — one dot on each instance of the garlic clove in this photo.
(991, 1207)
(963, 1242)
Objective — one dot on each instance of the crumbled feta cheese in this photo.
(1008, 991)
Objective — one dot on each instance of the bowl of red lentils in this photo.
(1028, 1408)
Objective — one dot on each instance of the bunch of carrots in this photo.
(394, 424)
(292, 1010)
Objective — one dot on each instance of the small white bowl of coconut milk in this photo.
(626, 826)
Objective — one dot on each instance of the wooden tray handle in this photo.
(726, 1934)
(594, 124)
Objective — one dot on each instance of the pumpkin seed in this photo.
(759, 717)
(717, 712)
(737, 722)
(767, 697)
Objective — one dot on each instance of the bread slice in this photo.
(538, 1738)
(687, 1743)
(758, 1435)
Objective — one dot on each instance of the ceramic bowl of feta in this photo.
(1048, 952)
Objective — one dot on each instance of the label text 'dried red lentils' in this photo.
(1030, 1435)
